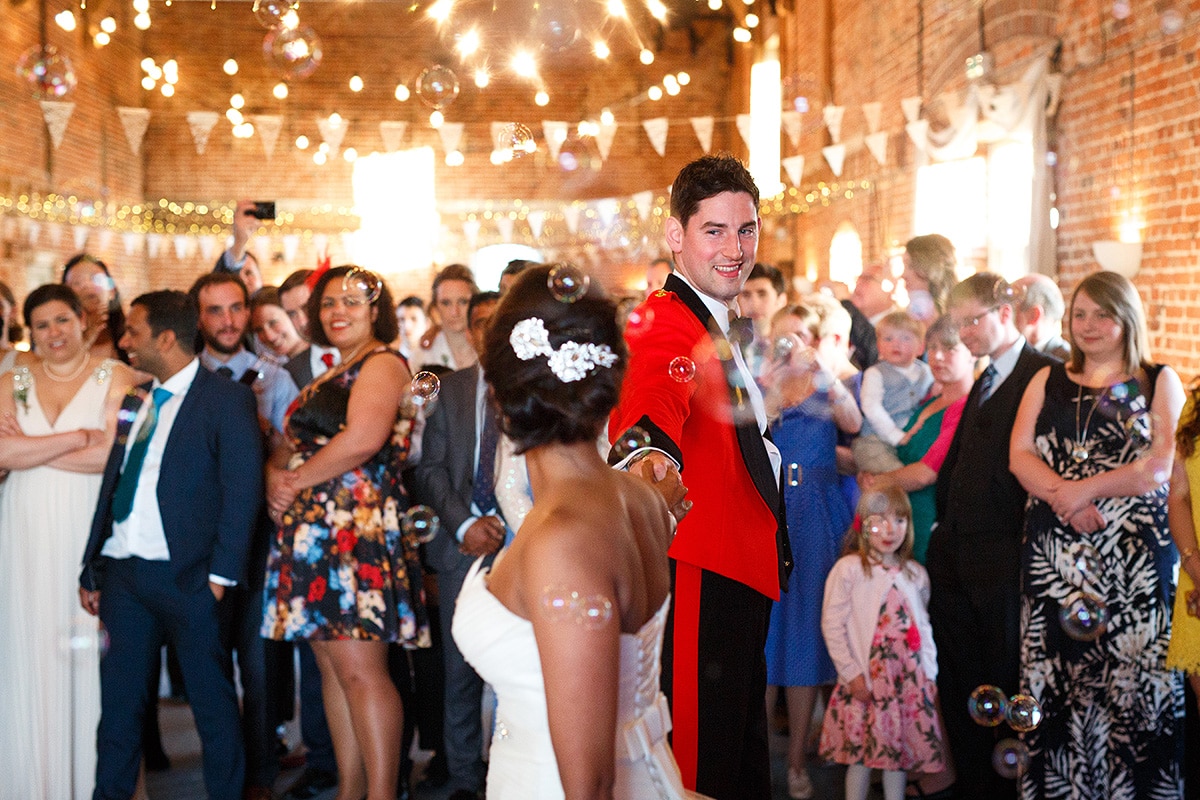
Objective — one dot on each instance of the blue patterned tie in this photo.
(985, 383)
(483, 494)
(122, 503)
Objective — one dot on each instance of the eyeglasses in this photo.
(972, 322)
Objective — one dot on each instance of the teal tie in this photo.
(122, 504)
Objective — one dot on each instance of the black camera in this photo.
(263, 209)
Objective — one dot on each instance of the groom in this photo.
(179, 499)
(689, 388)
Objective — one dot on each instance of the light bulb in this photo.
(454, 158)
(606, 117)
(436, 119)
(230, 66)
(168, 90)
(280, 91)
(319, 158)
(541, 98)
(237, 101)
(482, 79)
(142, 22)
(108, 25)
(601, 49)
(301, 142)
(402, 92)
(654, 93)
(356, 83)
(646, 57)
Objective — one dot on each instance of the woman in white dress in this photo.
(57, 421)
(567, 627)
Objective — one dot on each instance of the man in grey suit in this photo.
(456, 477)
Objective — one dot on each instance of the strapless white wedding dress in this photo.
(502, 649)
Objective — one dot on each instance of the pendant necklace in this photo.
(1079, 453)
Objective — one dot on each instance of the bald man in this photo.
(1039, 312)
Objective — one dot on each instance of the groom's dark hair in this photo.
(170, 310)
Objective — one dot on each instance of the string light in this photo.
(230, 67)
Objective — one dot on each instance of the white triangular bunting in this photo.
(833, 121)
(267, 126)
(793, 124)
(261, 245)
(153, 244)
(321, 245)
(56, 113)
(644, 201)
(451, 134)
(607, 209)
(794, 165)
(555, 133)
(835, 154)
(392, 132)
(536, 219)
(201, 123)
(877, 143)
(911, 106)
(291, 247)
(604, 140)
(743, 126)
(130, 241)
(703, 126)
(55, 234)
(33, 231)
(104, 239)
(79, 233)
(497, 138)
(918, 131)
(656, 130)
(181, 246)
(504, 224)
(134, 121)
(208, 246)
(471, 231)
(571, 217)
(333, 130)
(874, 113)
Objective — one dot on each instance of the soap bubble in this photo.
(1004, 293)
(629, 442)
(783, 347)
(559, 603)
(1171, 21)
(639, 321)
(1010, 759)
(681, 369)
(437, 86)
(1084, 617)
(593, 611)
(295, 52)
(49, 74)
(987, 705)
(269, 13)
(425, 387)
(1121, 9)
(421, 522)
(1085, 559)
(365, 281)
(567, 282)
(555, 24)
(794, 474)
(1023, 713)
(515, 138)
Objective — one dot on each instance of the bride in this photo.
(57, 421)
(568, 625)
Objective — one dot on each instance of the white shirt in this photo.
(141, 535)
(871, 399)
(480, 410)
(1005, 363)
(315, 354)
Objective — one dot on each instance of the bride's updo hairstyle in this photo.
(555, 366)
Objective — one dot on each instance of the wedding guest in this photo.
(656, 274)
(272, 327)
(341, 573)
(413, 321)
(57, 422)
(1184, 518)
(511, 270)
(567, 626)
(1040, 310)
(10, 329)
(763, 294)
(450, 347)
(314, 360)
(89, 277)
(929, 274)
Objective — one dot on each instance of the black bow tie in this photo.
(741, 331)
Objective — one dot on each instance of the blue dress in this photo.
(818, 517)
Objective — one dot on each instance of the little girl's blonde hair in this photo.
(883, 498)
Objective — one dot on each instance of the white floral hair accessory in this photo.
(571, 362)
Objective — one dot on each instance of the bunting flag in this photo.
(33, 231)
(201, 123)
(571, 217)
(794, 165)
(644, 201)
(130, 242)
(451, 134)
(57, 113)
(835, 154)
(392, 132)
(607, 209)
(918, 131)
(332, 132)
(793, 125)
(261, 245)
(104, 239)
(877, 144)
(743, 126)
(291, 247)
(498, 142)
(703, 127)
(555, 133)
(321, 246)
(180, 240)
(536, 219)
(911, 106)
(134, 121)
(833, 121)
(208, 247)
(874, 114)
(604, 140)
(79, 233)
(471, 231)
(55, 235)
(656, 130)
(267, 126)
(153, 244)
(504, 224)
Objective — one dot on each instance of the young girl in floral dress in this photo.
(883, 712)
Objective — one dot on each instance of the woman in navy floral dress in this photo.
(342, 573)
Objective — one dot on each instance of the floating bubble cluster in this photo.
(437, 86)
(987, 705)
(561, 604)
(1084, 616)
(425, 387)
(48, 73)
(629, 442)
(681, 369)
(1023, 713)
(365, 281)
(295, 52)
(421, 522)
(567, 282)
(1010, 758)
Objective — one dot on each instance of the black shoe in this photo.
(310, 784)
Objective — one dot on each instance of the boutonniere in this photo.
(22, 381)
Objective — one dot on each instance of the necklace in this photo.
(1080, 452)
(66, 378)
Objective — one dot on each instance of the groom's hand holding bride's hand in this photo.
(660, 472)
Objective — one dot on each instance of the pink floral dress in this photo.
(899, 729)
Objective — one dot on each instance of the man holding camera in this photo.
(247, 216)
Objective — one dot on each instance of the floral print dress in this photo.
(341, 567)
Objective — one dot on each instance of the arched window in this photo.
(845, 255)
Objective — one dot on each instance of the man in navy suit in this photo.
(178, 501)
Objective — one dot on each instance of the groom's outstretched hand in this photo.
(660, 472)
